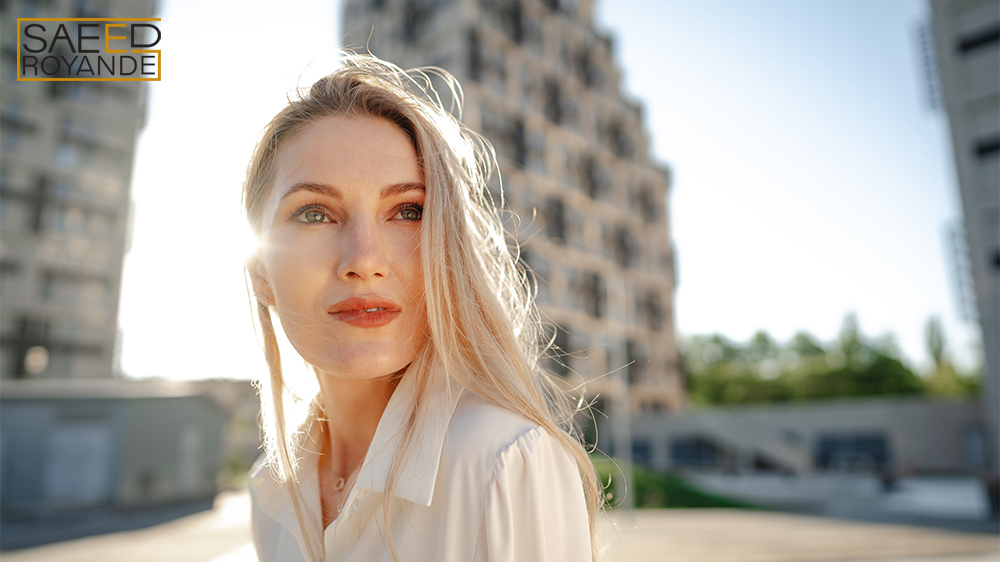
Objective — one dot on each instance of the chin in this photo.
(365, 365)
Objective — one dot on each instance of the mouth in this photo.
(365, 312)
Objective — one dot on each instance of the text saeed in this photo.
(52, 49)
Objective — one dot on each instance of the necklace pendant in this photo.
(338, 484)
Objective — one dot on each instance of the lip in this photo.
(365, 312)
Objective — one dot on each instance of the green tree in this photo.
(852, 345)
(760, 348)
(945, 381)
(804, 345)
(729, 373)
(934, 336)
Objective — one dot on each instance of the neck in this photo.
(353, 408)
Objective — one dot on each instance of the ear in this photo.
(259, 278)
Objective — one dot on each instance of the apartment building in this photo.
(65, 166)
(966, 35)
(542, 85)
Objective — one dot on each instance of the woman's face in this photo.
(340, 258)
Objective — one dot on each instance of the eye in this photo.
(411, 212)
(311, 214)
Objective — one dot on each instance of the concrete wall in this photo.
(173, 451)
(922, 435)
(66, 453)
(968, 57)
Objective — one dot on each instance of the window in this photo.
(553, 107)
(619, 140)
(644, 202)
(586, 70)
(413, 22)
(636, 362)
(976, 40)
(9, 270)
(988, 147)
(852, 452)
(592, 289)
(557, 356)
(517, 134)
(531, 36)
(475, 56)
(623, 246)
(695, 452)
(650, 309)
(555, 218)
(511, 20)
(593, 178)
(642, 452)
(31, 333)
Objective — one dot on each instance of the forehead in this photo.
(346, 152)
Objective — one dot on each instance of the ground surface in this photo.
(222, 535)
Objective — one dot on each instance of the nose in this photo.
(362, 256)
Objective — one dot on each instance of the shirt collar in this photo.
(415, 479)
(418, 473)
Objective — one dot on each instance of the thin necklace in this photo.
(341, 481)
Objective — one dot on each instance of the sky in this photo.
(811, 180)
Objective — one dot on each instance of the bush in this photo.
(652, 489)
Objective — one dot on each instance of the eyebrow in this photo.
(401, 188)
(334, 193)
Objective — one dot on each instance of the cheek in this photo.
(292, 270)
(412, 267)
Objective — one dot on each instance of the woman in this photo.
(435, 435)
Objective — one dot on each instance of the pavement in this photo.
(707, 535)
(956, 503)
(200, 537)
(728, 535)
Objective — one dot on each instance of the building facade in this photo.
(966, 36)
(589, 206)
(75, 447)
(867, 435)
(65, 167)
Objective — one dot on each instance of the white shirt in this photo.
(481, 484)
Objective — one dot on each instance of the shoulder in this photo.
(484, 424)
(265, 492)
(486, 439)
(520, 484)
(480, 431)
(265, 501)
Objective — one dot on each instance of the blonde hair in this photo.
(484, 329)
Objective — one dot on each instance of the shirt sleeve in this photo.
(535, 507)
